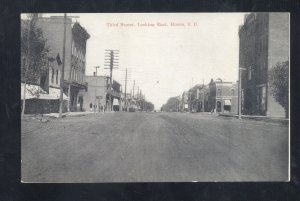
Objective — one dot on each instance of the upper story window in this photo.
(232, 92)
(249, 73)
(219, 92)
(52, 75)
(56, 76)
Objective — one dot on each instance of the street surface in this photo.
(153, 147)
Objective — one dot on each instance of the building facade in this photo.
(75, 55)
(264, 41)
(202, 95)
(184, 101)
(223, 96)
(195, 101)
(96, 98)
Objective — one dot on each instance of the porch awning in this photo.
(54, 93)
(31, 91)
(34, 91)
(227, 102)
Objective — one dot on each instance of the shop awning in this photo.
(227, 102)
(54, 93)
(115, 101)
(34, 91)
(31, 91)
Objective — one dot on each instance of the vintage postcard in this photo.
(155, 97)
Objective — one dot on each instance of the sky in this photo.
(167, 60)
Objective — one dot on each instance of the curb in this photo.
(259, 118)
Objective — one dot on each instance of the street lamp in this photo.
(240, 92)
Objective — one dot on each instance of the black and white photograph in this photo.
(155, 97)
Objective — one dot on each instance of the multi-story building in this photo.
(222, 96)
(264, 41)
(97, 96)
(75, 54)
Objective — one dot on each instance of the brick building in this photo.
(75, 54)
(223, 96)
(264, 41)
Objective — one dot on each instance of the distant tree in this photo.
(34, 53)
(172, 105)
(279, 84)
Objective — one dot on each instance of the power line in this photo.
(111, 59)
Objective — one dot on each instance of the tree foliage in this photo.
(172, 105)
(145, 105)
(38, 51)
(279, 84)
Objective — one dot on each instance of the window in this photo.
(72, 48)
(249, 73)
(56, 76)
(219, 92)
(52, 75)
(232, 92)
(263, 98)
(242, 99)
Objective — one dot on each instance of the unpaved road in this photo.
(153, 147)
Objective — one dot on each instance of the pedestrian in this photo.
(91, 107)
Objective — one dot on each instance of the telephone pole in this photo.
(203, 99)
(125, 90)
(126, 77)
(62, 77)
(95, 88)
(62, 69)
(133, 88)
(111, 61)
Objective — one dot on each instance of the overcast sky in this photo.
(164, 61)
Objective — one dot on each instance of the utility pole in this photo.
(96, 88)
(240, 93)
(26, 64)
(111, 61)
(125, 90)
(62, 69)
(133, 88)
(203, 99)
(144, 104)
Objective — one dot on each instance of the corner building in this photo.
(264, 41)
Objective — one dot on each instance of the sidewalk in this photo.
(201, 113)
(69, 114)
(281, 120)
(56, 115)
